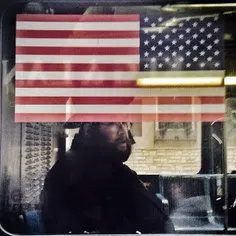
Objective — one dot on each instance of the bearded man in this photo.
(90, 190)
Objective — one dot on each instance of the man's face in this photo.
(115, 139)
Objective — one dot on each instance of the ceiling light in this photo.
(204, 5)
(192, 81)
(230, 80)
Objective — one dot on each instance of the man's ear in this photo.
(88, 133)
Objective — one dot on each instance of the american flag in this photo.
(73, 68)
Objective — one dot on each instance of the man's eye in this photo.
(125, 124)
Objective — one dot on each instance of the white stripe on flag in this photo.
(36, 42)
(95, 59)
(83, 26)
(71, 75)
(123, 92)
(119, 109)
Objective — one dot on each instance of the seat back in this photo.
(177, 188)
(34, 222)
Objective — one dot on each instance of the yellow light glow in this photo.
(230, 80)
(198, 81)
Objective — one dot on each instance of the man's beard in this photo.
(113, 154)
(121, 155)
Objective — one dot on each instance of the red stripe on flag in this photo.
(77, 51)
(85, 100)
(120, 100)
(210, 100)
(191, 100)
(118, 117)
(68, 34)
(76, 84)
(78, 18)
(75, 67)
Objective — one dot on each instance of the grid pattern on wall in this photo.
(36, 161)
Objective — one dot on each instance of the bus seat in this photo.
(34, 222)
(190, 203)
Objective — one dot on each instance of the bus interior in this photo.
(189, 165)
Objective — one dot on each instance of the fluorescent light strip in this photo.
(213, 81)
(230, 80)
(204, 5)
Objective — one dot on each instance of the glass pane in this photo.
(95, 99)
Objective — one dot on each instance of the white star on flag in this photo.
(153, 59)
(167, 59)
(202, 64)
(167, 48)
(188, 53)
(188, 42)
(209, 24)
(209, 47)
(202, 41)
(153, 36)
(188, 30)
(174, 42)
(146, 54)
(146, 42)
(174, 53)
(153, 48)
(188, 65)
(174, 65)
(209, 36)
(202, 53)
(167, 36)
(217, 64)
(174, 30)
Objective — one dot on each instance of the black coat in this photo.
(82, 193)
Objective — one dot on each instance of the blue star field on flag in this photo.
(181, 43)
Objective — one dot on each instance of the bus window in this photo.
(117, 119)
